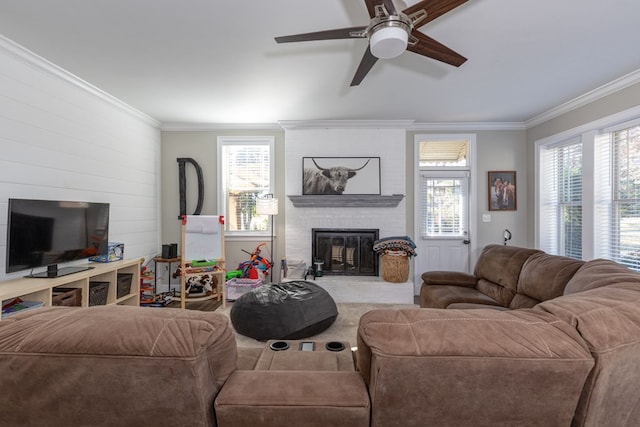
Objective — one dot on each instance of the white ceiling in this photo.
(215, 61)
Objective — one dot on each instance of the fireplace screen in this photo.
(346, 252)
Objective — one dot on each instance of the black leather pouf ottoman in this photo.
(284, 311)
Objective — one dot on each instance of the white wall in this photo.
(388, 144)
(62, 139)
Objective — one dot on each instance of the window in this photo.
(245, 172)
(445, 153)
(561, 199)
(443, 205)
(624, 232)
(588, 199)
(443, 190)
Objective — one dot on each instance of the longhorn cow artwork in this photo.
(332, 175)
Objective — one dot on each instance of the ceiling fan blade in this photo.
(427, 46)
(340, 33)
(371, 4)
(367, 62)
(434, 9)
(388, 4)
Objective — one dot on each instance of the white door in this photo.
(443, 200)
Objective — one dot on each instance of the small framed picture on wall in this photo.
(502, 191)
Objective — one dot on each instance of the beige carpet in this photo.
(343, 329)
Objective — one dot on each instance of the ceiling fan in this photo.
(391, 32)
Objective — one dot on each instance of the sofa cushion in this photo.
(449, 278)
(500, 265)
(543, 277)
(597, 273)
(293, 398)
(522, 301)
(608, 319)
(441, 296)
(503, 296)
(454, 366)
(470, 306)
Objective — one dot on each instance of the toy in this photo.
(255, 265)
(233, 274)
(203, 263)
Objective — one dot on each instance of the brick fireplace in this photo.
(386, 143)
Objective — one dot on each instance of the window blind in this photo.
(561, 199)
(246, 171)
(622, 228)
(443, 205)
(610, 212)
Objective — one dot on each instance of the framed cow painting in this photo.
(340, 175)
(502, 191)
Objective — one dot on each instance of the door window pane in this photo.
(443, 207)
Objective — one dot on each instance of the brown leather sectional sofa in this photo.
(599, 300)
(529, 339)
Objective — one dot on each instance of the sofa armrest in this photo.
(88, 365)
(482, 356)
(449, 278)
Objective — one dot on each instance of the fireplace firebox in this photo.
(345, 252)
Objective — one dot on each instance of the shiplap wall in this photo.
(63, 139)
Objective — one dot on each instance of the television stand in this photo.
(41, 289)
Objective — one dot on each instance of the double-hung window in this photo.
(624, 228)
(588, 198)
(561, 198)
(245, 172)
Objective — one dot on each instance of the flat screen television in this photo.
(45, 233)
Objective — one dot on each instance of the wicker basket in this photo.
(124, 284)
(395, 268)
(98, 292)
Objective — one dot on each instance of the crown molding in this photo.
(601, 125)
(200, 127)
(30, 58)
(408, 125)
(467, 126)
(345, 124)
(587, 98)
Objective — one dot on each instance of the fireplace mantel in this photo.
(346, 200)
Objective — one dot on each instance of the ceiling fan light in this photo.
(388, 42)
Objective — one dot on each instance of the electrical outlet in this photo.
(486, 217)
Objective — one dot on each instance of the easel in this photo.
(203, 239)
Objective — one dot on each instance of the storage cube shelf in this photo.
(44, 289)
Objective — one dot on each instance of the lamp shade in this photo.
(388, 42)
(267, 205)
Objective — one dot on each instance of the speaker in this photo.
(166, 251)
(173, 252)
